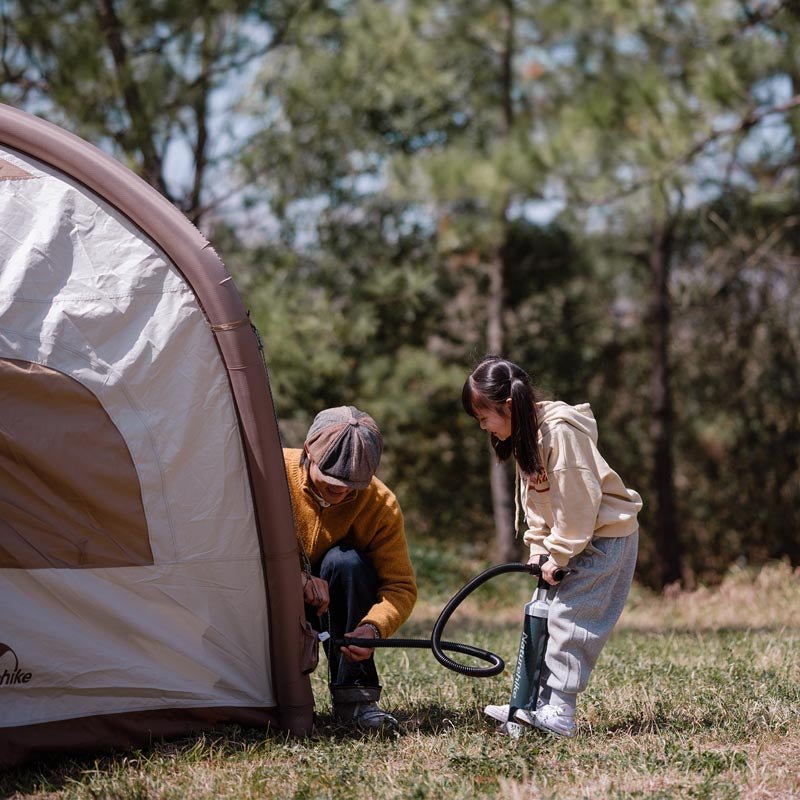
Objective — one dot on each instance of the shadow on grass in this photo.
(50, 773)
(434, 719)
(425, 720)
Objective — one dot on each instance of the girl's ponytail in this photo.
(525, 425)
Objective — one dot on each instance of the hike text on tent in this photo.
(17, 676)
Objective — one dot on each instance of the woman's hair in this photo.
(491, 383)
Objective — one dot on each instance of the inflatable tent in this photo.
(149, 576)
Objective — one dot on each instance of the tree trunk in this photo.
(666, 529)
(141, 131)
(505, 546)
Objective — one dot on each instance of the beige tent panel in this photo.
(60, 504)
(124, 640)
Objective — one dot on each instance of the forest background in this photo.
(607, 193)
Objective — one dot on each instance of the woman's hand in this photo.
(315, 593)
(353, 653)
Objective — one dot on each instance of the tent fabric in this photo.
(146, 536)
(63, 504)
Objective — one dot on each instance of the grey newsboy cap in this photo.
(346, 445)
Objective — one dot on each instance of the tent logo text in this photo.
(11, 674)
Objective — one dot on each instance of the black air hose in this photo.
(436, 644)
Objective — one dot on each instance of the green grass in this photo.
(697, 695)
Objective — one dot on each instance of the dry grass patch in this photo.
(772, 768)
(763, 770)
(746, 598)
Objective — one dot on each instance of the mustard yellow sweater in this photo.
(370, 520)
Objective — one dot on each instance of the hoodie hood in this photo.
(579, 417)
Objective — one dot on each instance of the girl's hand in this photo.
(315, 593)
(549, 570)
(538, 560)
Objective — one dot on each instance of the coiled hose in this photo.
(436, 644)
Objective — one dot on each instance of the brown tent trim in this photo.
(221, 302)
(108, 732)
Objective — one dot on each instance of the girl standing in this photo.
(579, 516)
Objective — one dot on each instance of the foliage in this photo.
(740, 350)
(418, 182)
(143, 79)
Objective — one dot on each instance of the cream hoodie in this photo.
(580, 496)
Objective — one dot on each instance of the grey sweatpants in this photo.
(584, 608)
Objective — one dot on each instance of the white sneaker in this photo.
(559, 720)
(500, 713)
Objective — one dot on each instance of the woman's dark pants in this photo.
(352, 586)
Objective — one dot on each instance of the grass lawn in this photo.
(697, 695)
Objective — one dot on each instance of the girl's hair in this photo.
(491, 383)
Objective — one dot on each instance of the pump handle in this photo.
(536, 571)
